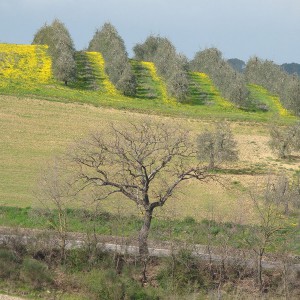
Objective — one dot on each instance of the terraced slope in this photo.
(149, 84)
(270, 102)
(85, 78)
(90, 73)
(30, 64)
(24, 63)
(203, 92)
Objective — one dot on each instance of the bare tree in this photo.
(145, 163)
(217, 146)
(271, 224)
(54, 195)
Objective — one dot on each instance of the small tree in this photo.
(61, 49)
(285, 193)
(54, 195)
(270, 224)
(217, 146)
(145, 163)
(284, 140)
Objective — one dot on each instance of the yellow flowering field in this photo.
(97, 61)
(29, 63)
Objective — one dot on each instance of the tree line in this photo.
(172, 66)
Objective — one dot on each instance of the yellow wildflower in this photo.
(217, 98)
(159, 82)
(28, 63)
(98, 63)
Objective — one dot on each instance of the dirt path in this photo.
(6, 297)
(40, 239)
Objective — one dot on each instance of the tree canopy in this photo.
(231, 83)
(170, 65)
(109, 43)
(61, 49)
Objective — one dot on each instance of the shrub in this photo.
(217, 146)
(35, 273)
(9, 264)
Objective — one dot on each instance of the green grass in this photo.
(59, 93)
(162, 229)
(261, 97)
(146, 87)
(204, 99)
(87, 77)
(34, 130)
(201, 92)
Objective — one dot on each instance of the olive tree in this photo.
(284, 192)
(145, 163)
(109, 43)
(231, 84)
(273, 77)
(171, 66)
(217, 146)
(265, 73)
(61, 49)
(283, 140)
(291, 94)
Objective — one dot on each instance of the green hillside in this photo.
(31, 64)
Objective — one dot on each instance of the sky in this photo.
(269, 29)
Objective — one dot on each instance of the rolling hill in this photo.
(37, 123)
(25, 70)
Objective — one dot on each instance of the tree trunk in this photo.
(143, 235)
(259, 269)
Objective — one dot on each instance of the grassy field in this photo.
(39, 118)
(33, 131)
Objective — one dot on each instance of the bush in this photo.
(106, 284)
(9, 265)
(181, 273)
(35, 273)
